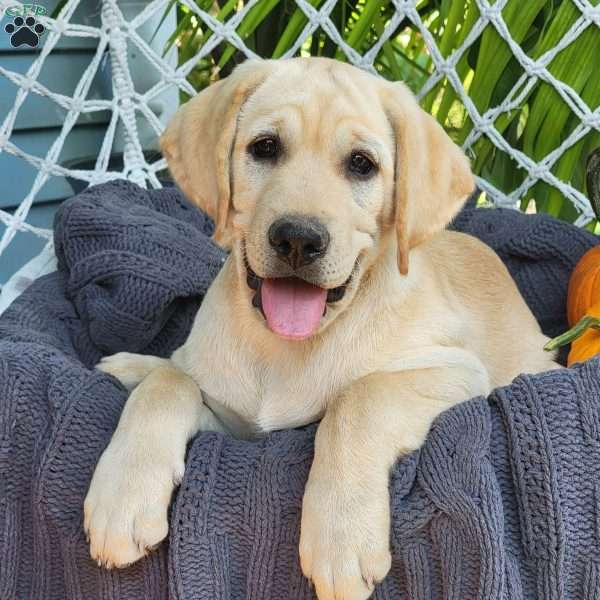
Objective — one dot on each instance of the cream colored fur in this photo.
(430, 318)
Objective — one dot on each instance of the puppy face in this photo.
(305, 165)
(312, 172)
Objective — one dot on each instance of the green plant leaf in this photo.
(495, 53)
(251, 21)
(293, 29)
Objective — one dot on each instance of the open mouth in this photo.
(291, 306)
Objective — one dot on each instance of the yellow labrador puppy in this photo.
(342, 298)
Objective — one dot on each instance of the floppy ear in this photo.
(432, 175)
(198, 142)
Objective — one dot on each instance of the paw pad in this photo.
(24, 32)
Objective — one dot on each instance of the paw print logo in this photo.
(24, 31)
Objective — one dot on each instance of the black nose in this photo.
(298, 240)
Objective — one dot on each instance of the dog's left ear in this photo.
(198, 142)
(432, 175)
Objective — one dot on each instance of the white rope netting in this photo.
(130, 105)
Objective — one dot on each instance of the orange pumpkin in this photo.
(584, 347)
(584, 286)
(583, 310)
(583, 299)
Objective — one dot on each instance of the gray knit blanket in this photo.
(502, 502)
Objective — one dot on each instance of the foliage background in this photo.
(488, 70)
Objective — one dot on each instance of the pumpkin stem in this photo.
(575, 332)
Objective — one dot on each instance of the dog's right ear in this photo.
(198, 141)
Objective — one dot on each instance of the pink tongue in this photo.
(293, 308)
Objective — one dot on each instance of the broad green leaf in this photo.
(293, 29)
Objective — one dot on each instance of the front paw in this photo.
(130, 369)
(344, 537)
(125, 510)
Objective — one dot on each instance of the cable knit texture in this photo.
(502, 502)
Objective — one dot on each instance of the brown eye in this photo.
(359, 164)
(267, 148)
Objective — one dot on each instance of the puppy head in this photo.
(309, 167)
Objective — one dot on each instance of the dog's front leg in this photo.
(125, 511)
(344, 540)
